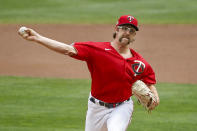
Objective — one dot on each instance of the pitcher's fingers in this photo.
(31, 32)
(28, 31)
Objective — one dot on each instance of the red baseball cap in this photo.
(128, 19)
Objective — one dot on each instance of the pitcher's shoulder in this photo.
(136, 54)
(91, 43)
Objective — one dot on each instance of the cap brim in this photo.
(136, 28)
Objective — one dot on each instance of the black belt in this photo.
(108, 105)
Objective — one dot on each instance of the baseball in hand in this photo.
(22, 30)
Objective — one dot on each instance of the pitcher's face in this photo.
(125, 34)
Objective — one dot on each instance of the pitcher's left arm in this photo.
(154, 91)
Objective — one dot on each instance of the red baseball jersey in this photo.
(112, 75)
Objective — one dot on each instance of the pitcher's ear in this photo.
(116, 29)
(114, 35)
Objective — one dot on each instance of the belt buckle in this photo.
(97, 102)
(108, 105)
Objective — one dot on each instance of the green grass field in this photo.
(47, 104)
(97, 11)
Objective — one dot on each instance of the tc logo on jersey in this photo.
(138, 67)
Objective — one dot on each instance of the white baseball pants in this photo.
(100, 118)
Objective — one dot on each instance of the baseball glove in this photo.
(144, 95)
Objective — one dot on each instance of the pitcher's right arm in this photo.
(54, 45)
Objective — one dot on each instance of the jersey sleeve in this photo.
(149, 76)
(83, 50)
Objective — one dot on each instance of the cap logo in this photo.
(130, 18)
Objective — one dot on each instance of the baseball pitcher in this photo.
(114, 69)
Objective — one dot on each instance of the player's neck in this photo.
(123, 50)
